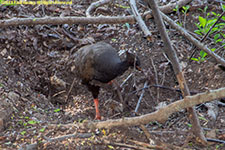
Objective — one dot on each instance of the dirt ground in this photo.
(35, 79)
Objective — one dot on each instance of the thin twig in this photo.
(162, 87)
(215, 140)
(140, 98)
(118, 91)
(71, 87)
(94, 5)
(156, 78)
(140, 21)
(126, 80)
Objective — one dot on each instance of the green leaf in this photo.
(219, 40)
(213, 49)
(57, 110)
(223, 7)
(121, 6)
(222, 25)
(202, 21)
(114, 40)
(42, 130)
(195, 59)
(216, 36)
(23, 132)
(203, 54)
(189, 125)
(202, 118)
(205, 9)
(198, 32)
(214, 13)
(110, 147)
(223, 18)
(32, 122)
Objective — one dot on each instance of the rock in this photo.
(13, 96)
(6, 108)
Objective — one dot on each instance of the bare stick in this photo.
(85, 20)
(156, 78)
(71, 87)
(162, 114)
(193, 40)
(118, 91)
(126, 80)
(171, 53)
(140, 21)
(162, 87)
(95, 5)
(140, 98)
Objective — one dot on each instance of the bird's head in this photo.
(133, 60)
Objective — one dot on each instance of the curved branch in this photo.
(95, 5)
(162, 114)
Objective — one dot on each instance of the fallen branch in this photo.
(85, 20)
(162, 114)
(140, 21)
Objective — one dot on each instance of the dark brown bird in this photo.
(101, 62)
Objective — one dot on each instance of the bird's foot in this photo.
(97, 117)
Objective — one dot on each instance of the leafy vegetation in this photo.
(204, 26)
(184, 11)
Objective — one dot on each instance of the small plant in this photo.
(42, 130)
(184, 11)
(205, 25)
(32, 122)
(57, 110)
(23, 132)
(189, 125)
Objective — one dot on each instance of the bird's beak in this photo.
(138, 68)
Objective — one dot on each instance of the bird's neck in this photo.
(122, 67)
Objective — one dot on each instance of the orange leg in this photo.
(97, 116)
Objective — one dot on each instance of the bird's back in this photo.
(97, 61)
